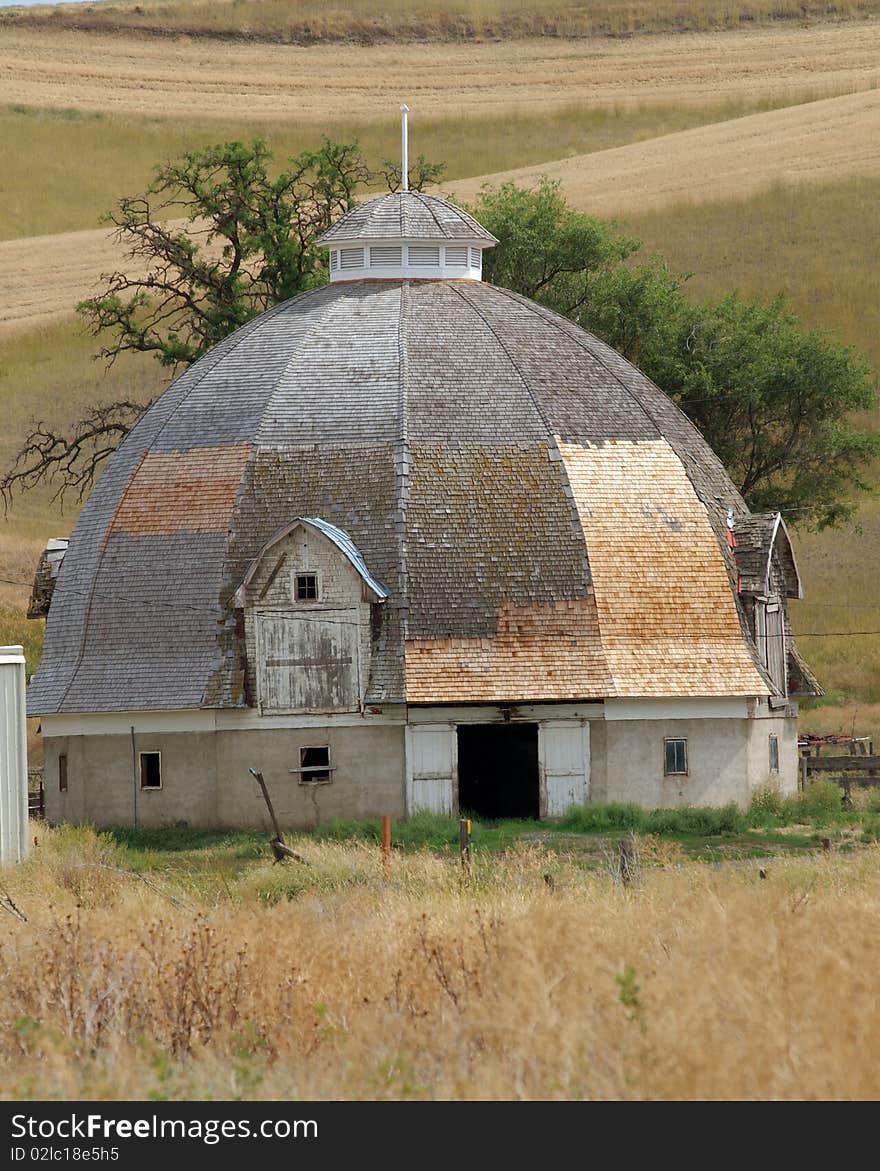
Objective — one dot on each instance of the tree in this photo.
(774, 400)
(213, 241)
(244, 244)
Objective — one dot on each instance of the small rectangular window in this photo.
(151, 770)
(62, 773)
(314, 764)
(476, 257)
(385, 257)
(456, 257)
(675, 757)
(422, 254)
(307, 587)
(774, 754)
(334, 259)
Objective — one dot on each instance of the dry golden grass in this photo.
(42, 277)
(65, 169)
(697, 984)
(321, 85)
(814, 142)
(368, 21)
(812, 242)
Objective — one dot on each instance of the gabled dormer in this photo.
(307, 602)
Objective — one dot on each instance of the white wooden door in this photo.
(564, 753)
(308, 662)
(431, 763)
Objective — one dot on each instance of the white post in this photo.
(404, 149)
(14, 837)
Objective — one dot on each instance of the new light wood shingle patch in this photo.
(667, 615)
(182, 491)
(544, 651)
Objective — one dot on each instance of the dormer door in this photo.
(308, 661)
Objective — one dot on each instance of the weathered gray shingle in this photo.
(406, 215)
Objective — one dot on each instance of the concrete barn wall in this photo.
(717, 757)
(205, 779)
(760, 776)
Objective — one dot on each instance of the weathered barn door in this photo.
(564, 753)
(308, 661)
(431, 759)
(770, 637)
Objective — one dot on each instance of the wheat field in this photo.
(319, 85)
(325, 982)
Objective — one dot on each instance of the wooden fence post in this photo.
(464, 843)
(627, 861)
(386, 847)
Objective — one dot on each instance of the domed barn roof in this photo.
(544, 520)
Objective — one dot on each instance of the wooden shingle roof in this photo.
(407, 215)
(547, 523)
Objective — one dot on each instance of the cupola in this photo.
(406, 235)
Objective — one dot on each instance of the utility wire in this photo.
(177, 606)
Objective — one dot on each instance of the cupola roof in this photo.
(407, 215)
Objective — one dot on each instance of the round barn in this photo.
(410, 541)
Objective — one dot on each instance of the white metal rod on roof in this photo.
(404, 148)
(14, 839)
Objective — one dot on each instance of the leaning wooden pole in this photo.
(279, 848)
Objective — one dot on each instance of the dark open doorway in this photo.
(498, 770)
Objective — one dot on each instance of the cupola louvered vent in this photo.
(406, 235)
(424, 256)
(351, 257)
(385, 257)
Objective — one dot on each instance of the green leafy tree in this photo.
(774, 400)
(216, 240)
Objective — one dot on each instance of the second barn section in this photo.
(411, 541)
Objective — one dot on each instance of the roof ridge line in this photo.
(420, 195)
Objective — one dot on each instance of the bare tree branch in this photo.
(71, 460)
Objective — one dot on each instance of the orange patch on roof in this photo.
(549, 650)
(182, 491)
(667, 615)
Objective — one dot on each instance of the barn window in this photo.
(151, 770)
(334, 260)
(675, 757)
(307, 587)
(457, 257)
(62, 773)
(774, 754)
(476, 258)
(314, 765)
